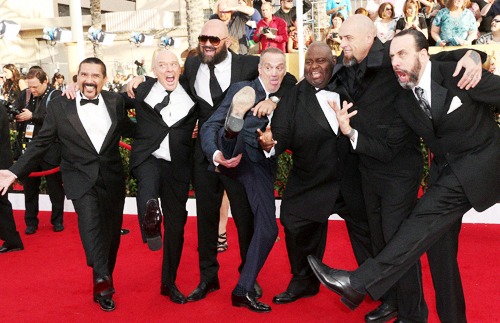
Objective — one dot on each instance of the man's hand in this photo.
(228, 163)
(26, 115)
(264, 108)
(6, 180)
(270, 35)
(343, 115)
(266, 140)
(70, 92)
(133, 84)
(471, 62)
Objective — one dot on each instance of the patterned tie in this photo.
(424, 104)
(163, 103)
(215, 89)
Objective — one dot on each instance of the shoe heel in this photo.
(234, 124)
(155, 243)
(347, 303)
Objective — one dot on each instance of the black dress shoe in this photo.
(7, 248)
(384, 313)
(31, 229)
(106, 304)
(151, 225)
(103, 288)
(124, 231)
(201, 291)
(337, 281)
(175, 295)
(258, 290)
(288, 297)
(58, 227)
(250, 302)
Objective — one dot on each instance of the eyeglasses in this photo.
(388, 9)
(214, 40)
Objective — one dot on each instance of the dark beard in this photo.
(216, 59)
(348, 62)
(413, 77)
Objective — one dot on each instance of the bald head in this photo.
(166, 68)
(215, 27)
(318, 67)
(358, 34)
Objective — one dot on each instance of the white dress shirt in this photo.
(178, 107)
(323, 97)
(222, 72)
(425, 83)
(95, 120)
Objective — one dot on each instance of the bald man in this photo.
(363, 76)
(161, 161)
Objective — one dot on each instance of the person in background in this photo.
(224, 215)
(58, 82)
(33, 111)
(385, 24)
(454, 25)
(492, 37)
(293, 39)
(288, 11)
(13, 84)
(333, 38)
(361, 11)
(412, 19)
(271, 31)
(334, 6)
(237, 20)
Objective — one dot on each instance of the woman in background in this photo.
(386, 25)
(454, 25)
(412, 19)
(13, 84)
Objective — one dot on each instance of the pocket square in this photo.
(455, 104)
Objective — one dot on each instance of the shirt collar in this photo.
(425, 81)
(261, 83)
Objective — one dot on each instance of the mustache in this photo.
(208, 47)
(89, 84)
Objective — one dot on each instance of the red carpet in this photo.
(49, 281)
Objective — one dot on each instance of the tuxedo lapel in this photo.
(111, 106)
(75, 121)
(439, 94)
(311, 104)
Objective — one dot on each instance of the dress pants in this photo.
(390, 197)
(56, 194)
(100, 218)
(8, 232)
(209, 188)
(156, 179)
(437, 213)
(303, 237)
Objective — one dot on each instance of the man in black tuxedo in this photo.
(324, 176)
(33, 102)
(89, 129)
(229, 140)
(8, 233)
(363, 75)
(458, 128)
(161, 158)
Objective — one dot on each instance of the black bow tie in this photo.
(85, 101)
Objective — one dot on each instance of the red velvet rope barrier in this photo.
(55, 170)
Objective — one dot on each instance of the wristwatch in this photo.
(275, 99)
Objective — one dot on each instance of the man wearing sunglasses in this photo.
(492, 37)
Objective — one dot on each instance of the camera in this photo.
(12, 110)
(265, 30)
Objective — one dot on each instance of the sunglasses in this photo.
(214, 40)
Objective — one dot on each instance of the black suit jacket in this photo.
(81, 164)
(467, 139)
(5, 152)
(151, 130)
(322, 163)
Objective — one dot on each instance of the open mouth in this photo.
(402, 76)
(89, 87)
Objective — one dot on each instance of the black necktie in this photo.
(215, 89)
(163, 103)
(424, 104)
(85, 101)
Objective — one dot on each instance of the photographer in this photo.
(271, 30)
(32, 107)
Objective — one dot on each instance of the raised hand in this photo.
(343, 115)
(266, 140)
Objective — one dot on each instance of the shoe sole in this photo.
(154, 244)
(344, 300)
(243, 101)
